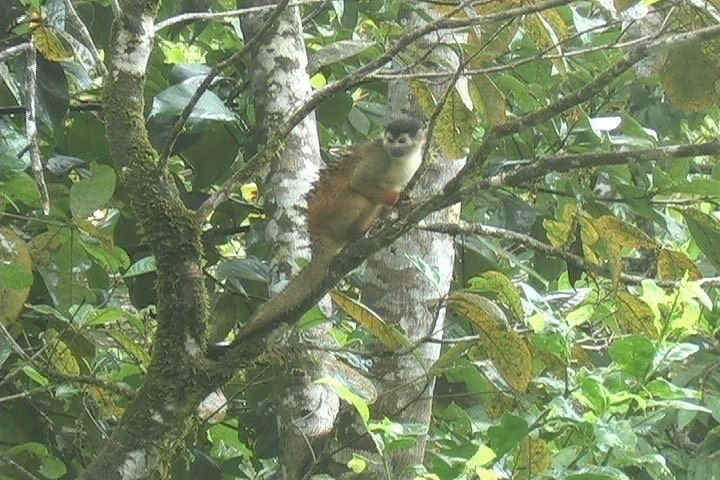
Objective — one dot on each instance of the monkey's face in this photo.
(402, 144)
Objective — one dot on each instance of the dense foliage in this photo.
(592, 356)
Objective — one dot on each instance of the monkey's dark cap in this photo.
(402, 125)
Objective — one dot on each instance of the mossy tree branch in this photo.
(162, 413)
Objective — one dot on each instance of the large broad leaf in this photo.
(12, 164)
(20, 188)
(333, 112)
(506, 348)
(389, 336)
(675, 265)
(15, 274)
(634, 354)
(173, 100)
(535, 456)
(93, 192)
(499, 284)
(53, 94)
(705, 230)
(689, 77)
(336, 52)
(505, 436)
(634, 316)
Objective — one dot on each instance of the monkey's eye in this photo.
(402, 140)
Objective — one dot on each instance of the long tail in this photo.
(288, 306)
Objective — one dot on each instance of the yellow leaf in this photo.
(497, 404)
(561, 232)
(511, 357)
(674, 265)
(370, 320)
(49, 45)
(499, 283)
(455, 124)
(63, 359)
(616, 231)
(483, 313)
(544, 37)
(689, 76)
(534, 458)
(634, 316)
(104, 400)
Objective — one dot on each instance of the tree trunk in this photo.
(280, 82)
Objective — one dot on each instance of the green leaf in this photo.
(508, 434)
(357, 464)
(635, 353)
(661, 388)
(21, 188)
(172, 101)
(92, 193)
(104, 316)
(34, 375)
(250, 268)
(52, 468)
(110, 257)
(12, 164)
(53, 94)
(14, 276)
(333, 112)
(141, 267)
(705, 230)
(346, 394)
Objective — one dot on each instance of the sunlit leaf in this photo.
(535, 456)
(634, 315)
(634, 353)
(49, 45)
(705, 230)
(499, 284)
(370, 320)
(15, 274)
(674, 265)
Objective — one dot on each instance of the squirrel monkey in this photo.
(349, 197)
(346, 201)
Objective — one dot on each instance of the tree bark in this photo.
(164, 406)
(307, 410)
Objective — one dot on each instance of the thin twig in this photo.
(31, 130)
(187, 17)
(465, 228)
(563, 163)
(214, 72)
